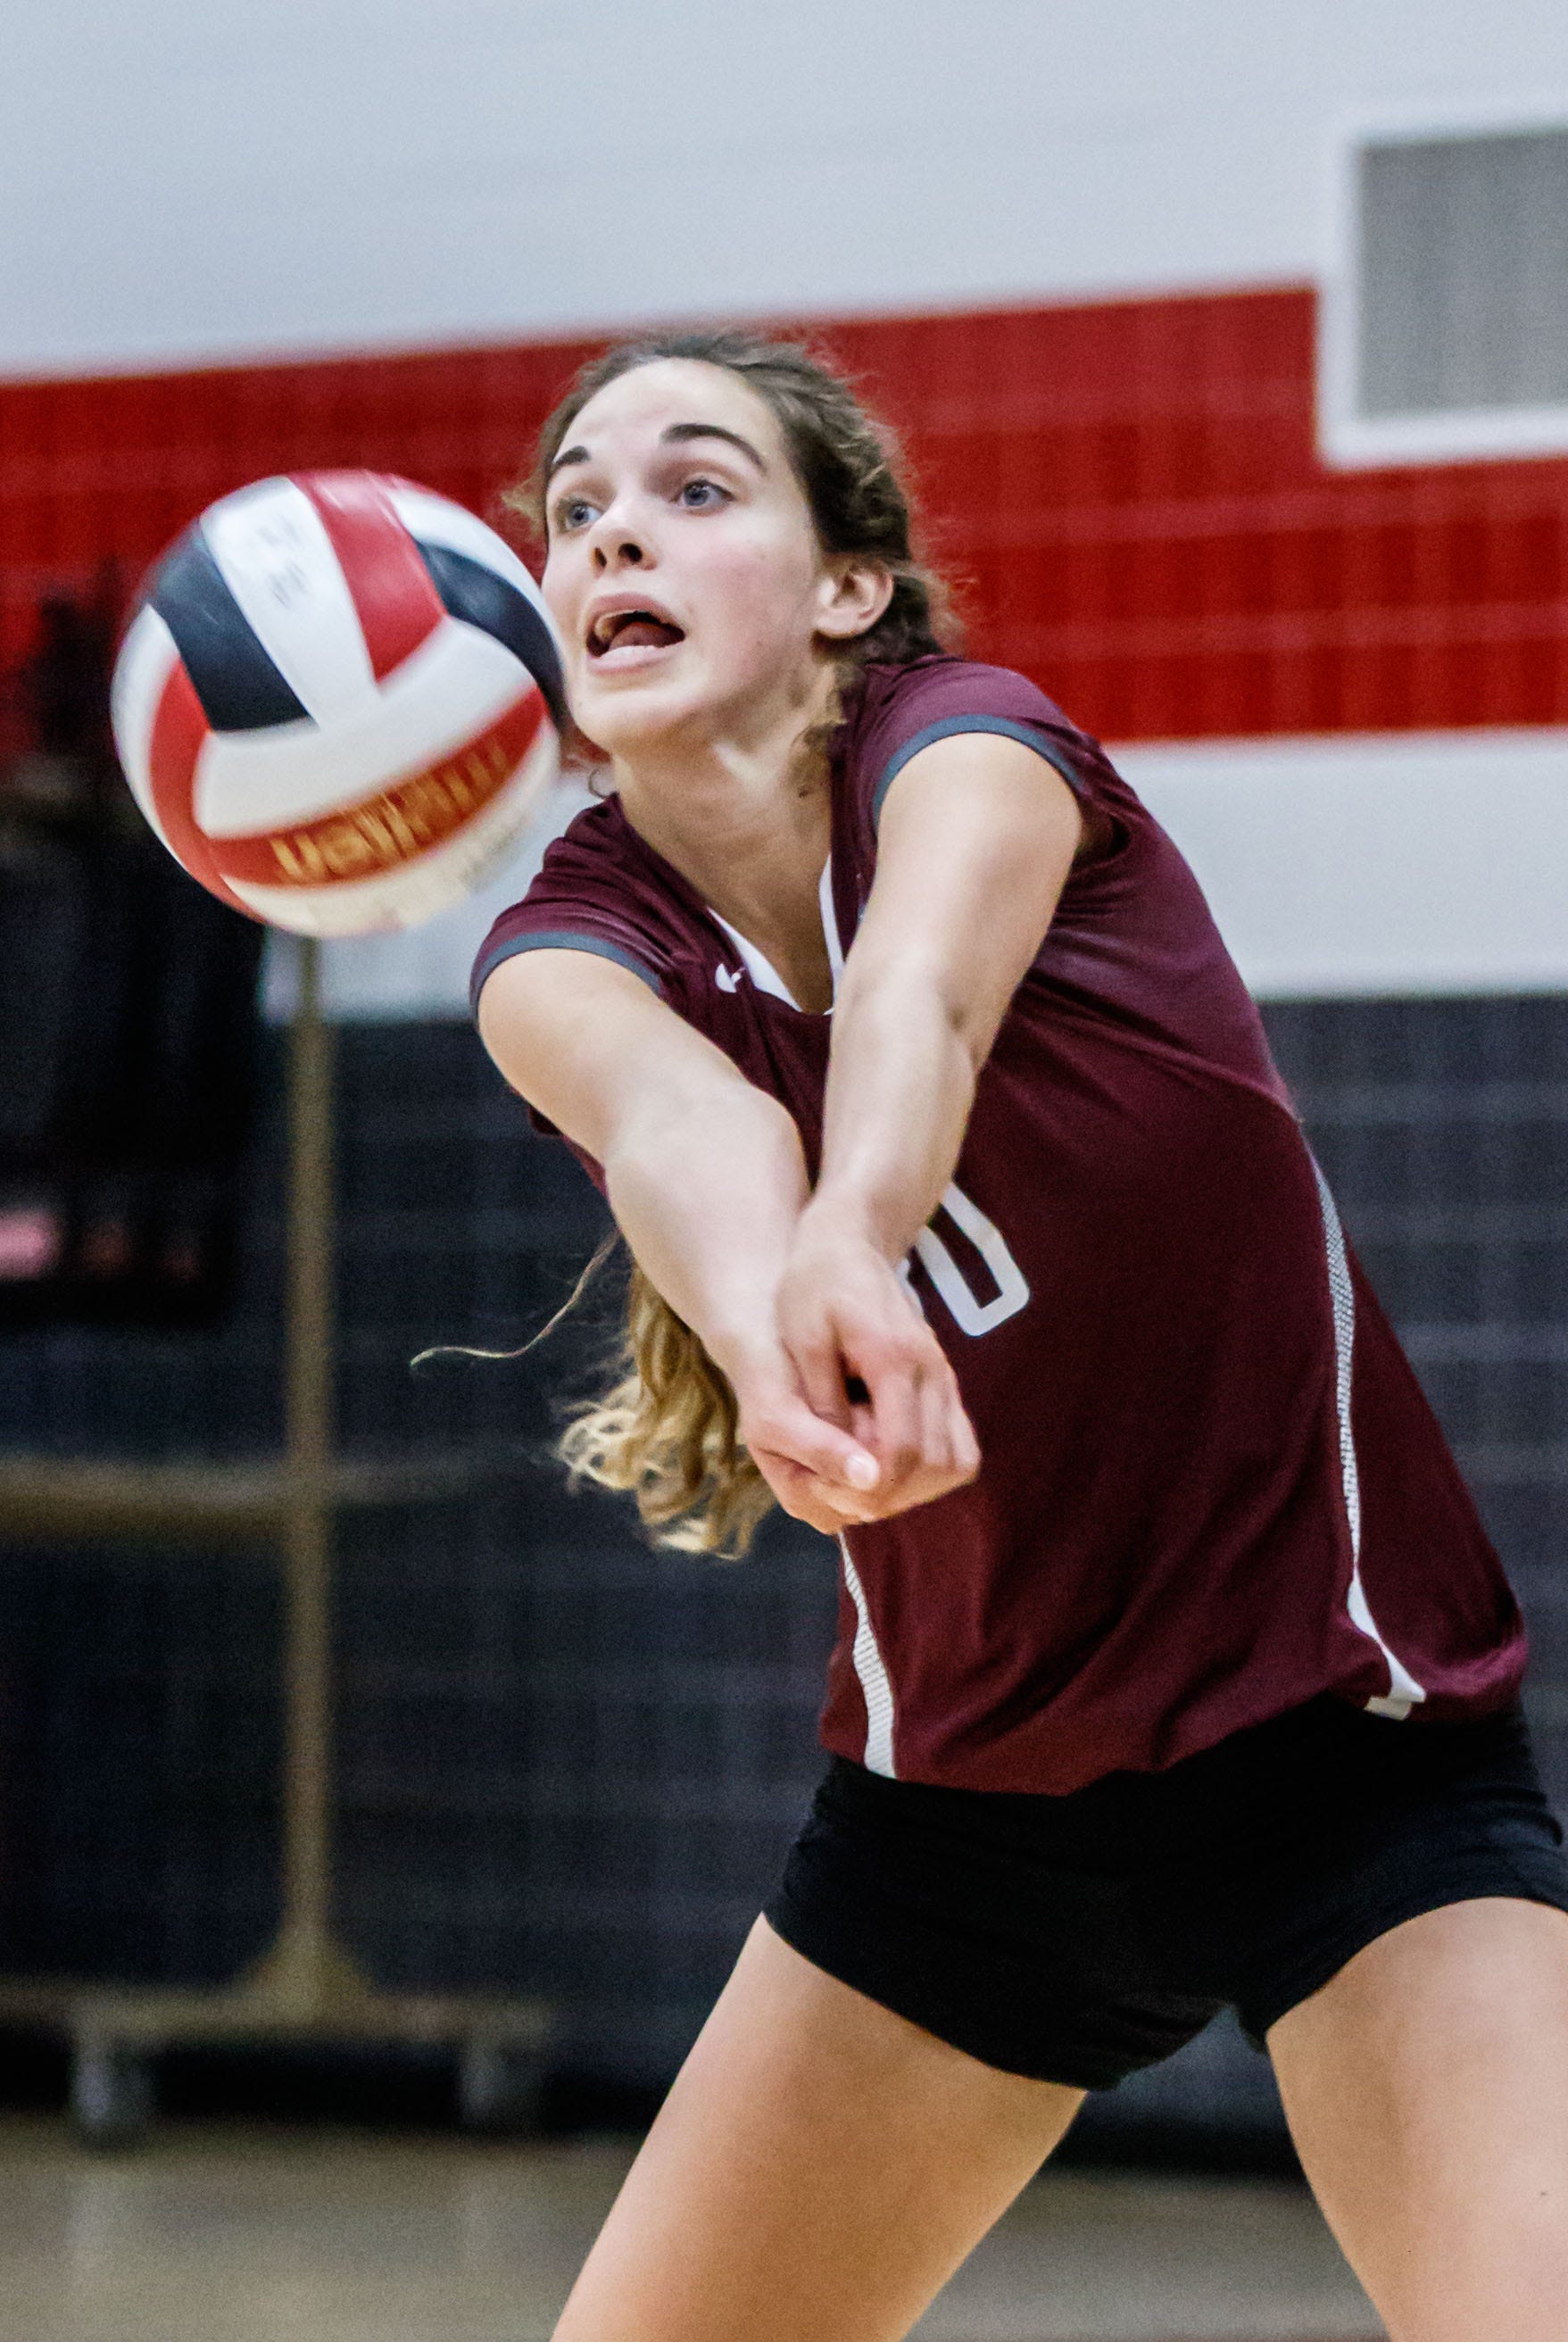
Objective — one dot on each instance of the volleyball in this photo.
(339, 701)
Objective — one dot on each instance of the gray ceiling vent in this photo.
(1444, 320)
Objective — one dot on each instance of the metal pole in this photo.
(307, 1713)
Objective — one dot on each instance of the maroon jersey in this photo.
(1210, 1485)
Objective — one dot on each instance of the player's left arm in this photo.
(977, 837)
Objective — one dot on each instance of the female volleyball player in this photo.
(1175, 1671)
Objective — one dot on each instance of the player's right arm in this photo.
(705, 1177)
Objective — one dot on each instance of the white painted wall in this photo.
(180, 183)
(1411, 863)
(1384, 863)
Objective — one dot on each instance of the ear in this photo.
(851, 597)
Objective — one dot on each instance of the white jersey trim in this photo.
(760, 970)
(876, 1689)
(830, 925)
(1403, 1691)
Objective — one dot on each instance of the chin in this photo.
(637, 714)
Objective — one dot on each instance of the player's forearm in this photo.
(901, 1084)
(707, 1192)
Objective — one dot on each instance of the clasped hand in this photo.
(851, 1413)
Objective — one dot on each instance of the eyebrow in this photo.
(683, 431)
(676, 435)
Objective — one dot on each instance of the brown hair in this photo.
(667, 1427)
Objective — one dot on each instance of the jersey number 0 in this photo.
(969, 1312)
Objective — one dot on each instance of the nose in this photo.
(618, 552)
(616, 541)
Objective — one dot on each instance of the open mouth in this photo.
(622, 630)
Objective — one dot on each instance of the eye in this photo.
(702, 495)
(572, 512)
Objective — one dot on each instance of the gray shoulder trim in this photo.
(949, 726)
(555, 939)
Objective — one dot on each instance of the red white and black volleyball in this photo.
(339, 701)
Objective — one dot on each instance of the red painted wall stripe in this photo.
(1128, 493)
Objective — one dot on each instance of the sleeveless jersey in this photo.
(1211, 1487)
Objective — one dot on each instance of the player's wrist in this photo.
(843, 1216)
(744, 1344)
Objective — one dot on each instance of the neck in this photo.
(743, 815)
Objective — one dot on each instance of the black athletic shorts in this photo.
(1075, 1938)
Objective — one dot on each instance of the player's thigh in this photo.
(1427, 2092)
(818, 2171)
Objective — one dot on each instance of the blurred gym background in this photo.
(1230, 347)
